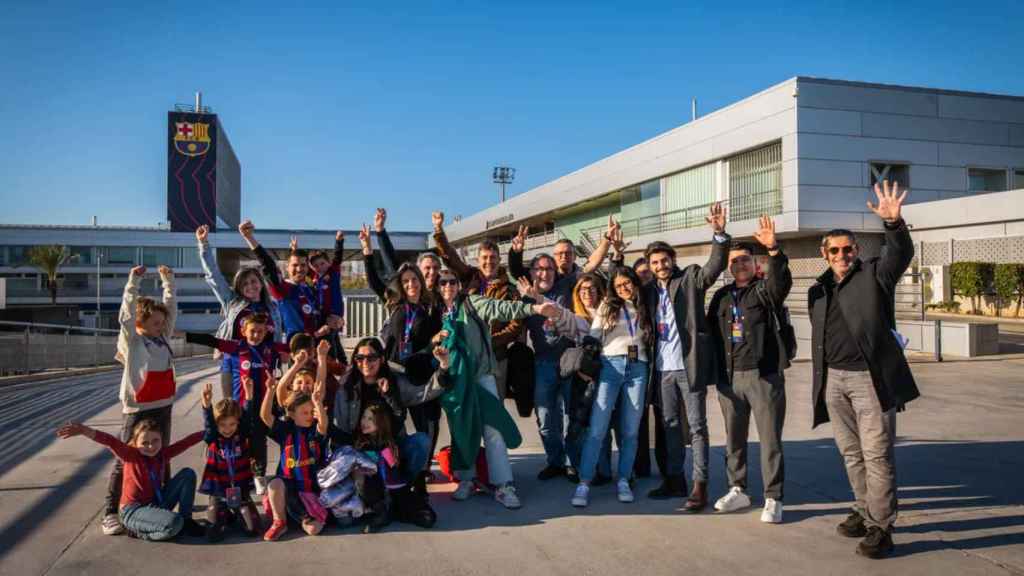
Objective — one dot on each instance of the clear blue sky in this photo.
(336, 108)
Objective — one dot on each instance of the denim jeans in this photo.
(499, 468)
(551, 398)
(128, 422)
(158, 521)
(676, 394)
(623, 384)
(412, 454)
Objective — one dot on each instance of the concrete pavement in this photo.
(960, 459)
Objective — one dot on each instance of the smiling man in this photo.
(861, 376)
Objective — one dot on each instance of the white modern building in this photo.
(806, 151)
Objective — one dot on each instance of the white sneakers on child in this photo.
(735, 500)
(111, 525)
(625, 492)
(506, 496)
(772, 513)
(581, 497)
(261, 485)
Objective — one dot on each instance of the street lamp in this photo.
(503, 176)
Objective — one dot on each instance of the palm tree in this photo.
(49, 259)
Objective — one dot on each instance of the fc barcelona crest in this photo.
(192, 138)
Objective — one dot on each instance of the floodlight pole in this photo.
(503, 176)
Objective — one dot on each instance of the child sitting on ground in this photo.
(147, 503)
(228, 477)
(375, 440)
(302, 435)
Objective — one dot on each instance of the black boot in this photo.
(853, 526)
(877, 544)
(378, 517)
(671, 487)
(411, 504)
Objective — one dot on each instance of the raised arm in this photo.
(448, 253)
(719, 259)
(599, 254)
(339, 248)
(127, 316)
(267, 262)
(119, 448)
(515, 254)
(370, 263)
(211, 271)
(899, 247)
(209, 425)
(388, 258)
(184, 444)
(779, 280)
(170, 299)
(267, 407)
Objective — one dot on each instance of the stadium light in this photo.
(503, 176)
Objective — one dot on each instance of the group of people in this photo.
(594, 349)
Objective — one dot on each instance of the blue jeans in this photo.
(623, 384)
(551, 398)
(412, 454)
(158, 521)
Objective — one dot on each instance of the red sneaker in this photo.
(275, 531)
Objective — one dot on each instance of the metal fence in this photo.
(364, 316)
(28, 347)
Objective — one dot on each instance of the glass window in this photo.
(986, 180)
(1018, 179)
(898, 173)
(190, 259)
(115, 255)
(687, 195)
(17, 255)
(152, 256)
(755, 183)
(80, 256)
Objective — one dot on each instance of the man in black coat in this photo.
(684, 358)
(861, 375)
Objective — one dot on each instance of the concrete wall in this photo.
(960, 339)
(842, 127)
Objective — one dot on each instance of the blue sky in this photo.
(336, 108)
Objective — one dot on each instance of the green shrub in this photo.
(972, 280)
(947, 306)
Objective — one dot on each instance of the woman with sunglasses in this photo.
(373, 380)
(473, 407)
(413, 319)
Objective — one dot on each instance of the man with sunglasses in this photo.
(743, 320)
(488, 278)
(861, 376)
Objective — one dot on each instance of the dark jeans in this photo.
(158, 521)
(676, 398)
(765, 398)
(128, 422)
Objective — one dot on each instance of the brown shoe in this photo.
(698, 499)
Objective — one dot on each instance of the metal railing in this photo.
(27, 347)
(364, 316)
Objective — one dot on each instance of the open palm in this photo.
(890, 201)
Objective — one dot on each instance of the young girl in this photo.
(302, 436)
(147, 385)
(147, 503)
(375, 440)
(228, 475)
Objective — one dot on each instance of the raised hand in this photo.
(617, 241)
(138, 271)
(765, 233)
(301, 357)
(339, 235)
(247, 229)
(383, 385)
(716, 218)
(547, 310)
(322, 349)
(526, 288)
(437, 218)
(612, 227)
(165, 272)
(364, 240)
(207, 394)
(519, 240)
(379, 219)
(293, 243)
(271, 382)
(318, 392)
(72, 429)
(890, 201)
(442, 355)
(202, 232)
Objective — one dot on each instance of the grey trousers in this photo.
(675, 394)
(765, 397)
(865, 436)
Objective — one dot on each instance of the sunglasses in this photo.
(835, 250)
(447, 282)
(366, 357)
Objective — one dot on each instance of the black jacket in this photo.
(687, 288)
(868, 306)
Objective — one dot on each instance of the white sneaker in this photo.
(772, 511)
(625, 492)
(506, 496)
(581, 497)
(464, 490)
(112, 525)
(261, 485)
(735, 500)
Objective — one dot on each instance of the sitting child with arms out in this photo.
(147, 503)
(228, 477)
(375, 440)
(302, 436)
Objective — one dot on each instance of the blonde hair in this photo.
(226, 408)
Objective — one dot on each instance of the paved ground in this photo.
(960, 463)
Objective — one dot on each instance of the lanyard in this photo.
(156, 480)
(629, 322)
(484, 284)
(663, 302)
(449, 314)
(410, 318)
(737, 316)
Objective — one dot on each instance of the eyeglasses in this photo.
(624, 286)
(835, 250)
(366, 357)
(447, 282)
(590, 289)
(543, 269)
